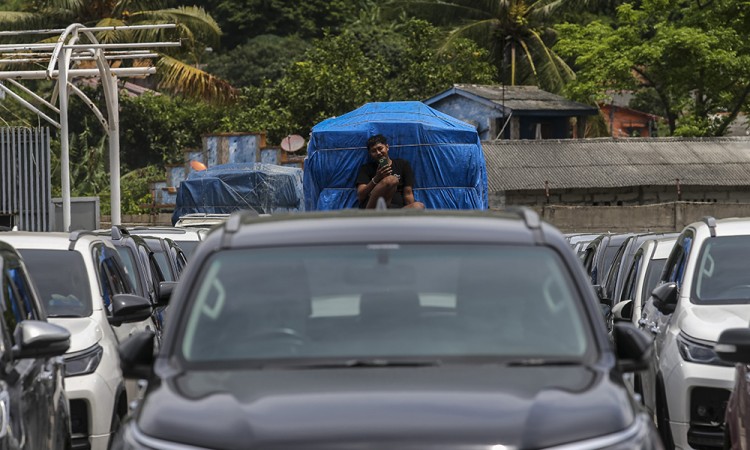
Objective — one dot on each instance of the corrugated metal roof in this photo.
(525, 98)
(591, 163)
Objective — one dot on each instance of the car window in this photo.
(112, 277)
(653, 275)
(17, 304)
(722, 275)
(614, 269)
(164, 266)
(129, 264)
(675, 266)
(152, 274)
(61, 278)
(443, 301)
(23, 288)
(628, 289)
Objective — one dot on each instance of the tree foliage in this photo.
(693, 58)
(341, 72)
(517, 33)
(264, 57)
(245, 20)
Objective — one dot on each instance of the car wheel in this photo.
(662, 418)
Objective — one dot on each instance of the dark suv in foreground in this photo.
(434, 329)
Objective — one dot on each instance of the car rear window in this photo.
(379, 301)
(62, 281)
(187, 246)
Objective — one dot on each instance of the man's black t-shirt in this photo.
(400, 168)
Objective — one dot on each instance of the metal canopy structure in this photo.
(71, 57)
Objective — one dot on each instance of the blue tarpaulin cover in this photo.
(445, 153)
(266, 188)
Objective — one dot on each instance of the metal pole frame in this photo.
(64, 52)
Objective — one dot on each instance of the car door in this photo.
(31, 382)
(629, 287)
(654, 322)
(113, 280)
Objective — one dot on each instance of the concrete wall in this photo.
(639, 195)
(673, 216)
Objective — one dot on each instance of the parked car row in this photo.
(69, 300)
(685, 290)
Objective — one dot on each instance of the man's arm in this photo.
(364, 190)
(365, 184)
(408, 195)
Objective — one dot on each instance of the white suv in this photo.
(705, 289)
(84, 288)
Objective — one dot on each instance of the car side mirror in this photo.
(734, 345)
(137, 355)
(665, 297)
(632, 346)
(39, 339)
(128, 308)
(623, 311)
(165, 292)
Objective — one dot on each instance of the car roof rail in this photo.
(118, 231)
(531, 220)
(711, 222)
(74, 235)
(232, 224)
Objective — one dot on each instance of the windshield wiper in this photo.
(366, 363)
(532, 362)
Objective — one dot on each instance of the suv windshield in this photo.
(62, 281)
(722, 275)
(376, 302)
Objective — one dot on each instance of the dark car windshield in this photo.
(62, 281)
(384, 301)
(722, 274)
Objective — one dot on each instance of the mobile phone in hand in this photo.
(383, 162)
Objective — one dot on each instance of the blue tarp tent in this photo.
(226, 188)
(445, 153)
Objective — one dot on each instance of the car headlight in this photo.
(699, 352)
(83, 362)
(641, 435)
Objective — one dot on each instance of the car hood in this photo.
(84, 332)
(525, 407)
(706, 322)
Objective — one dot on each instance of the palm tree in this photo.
(177, 72)
(516, 32)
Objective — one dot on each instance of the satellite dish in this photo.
(292, 143)
(197, 165)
